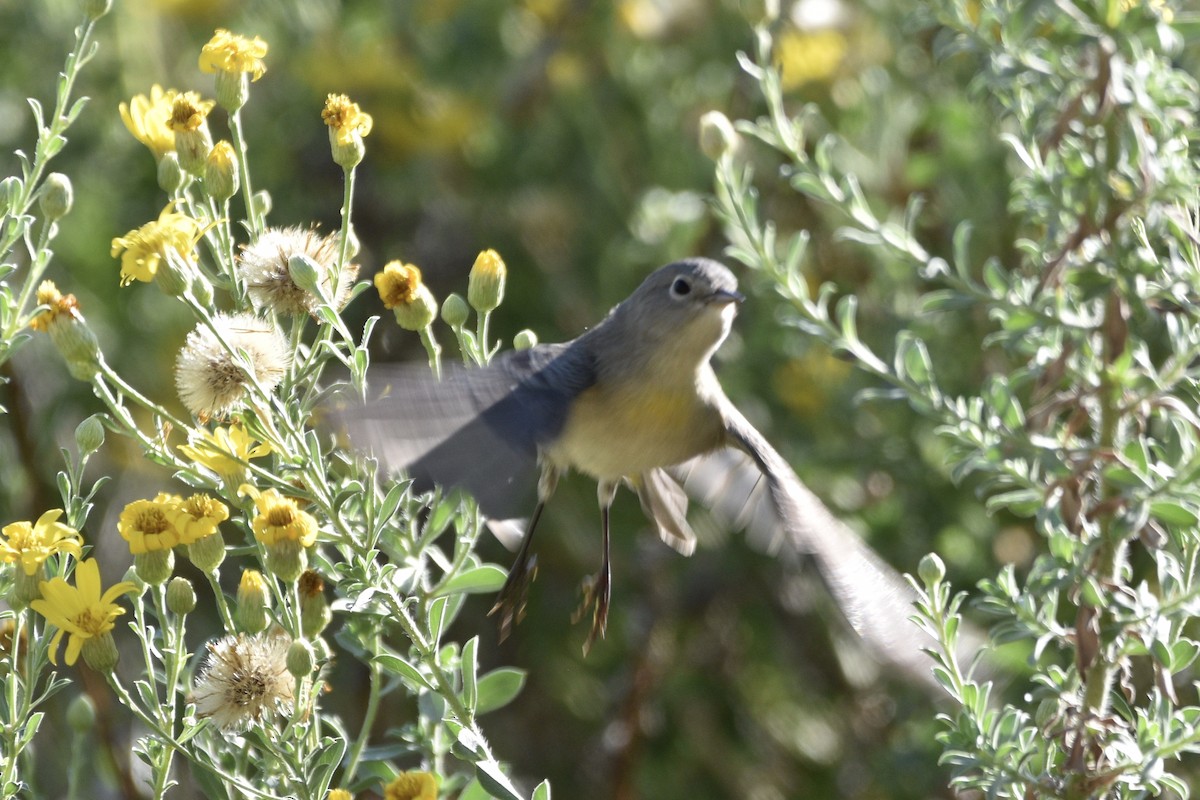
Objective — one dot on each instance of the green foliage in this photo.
(1089, 430)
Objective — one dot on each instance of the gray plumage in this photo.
(633, 400)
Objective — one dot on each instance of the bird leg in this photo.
(597, 589)
(511, 600)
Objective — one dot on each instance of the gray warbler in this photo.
(633, 400)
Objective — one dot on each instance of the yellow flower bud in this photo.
(253, 602)
(485, 285)
(314, 608)
(221, 172)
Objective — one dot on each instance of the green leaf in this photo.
(469, 667)
(409, 673)
(1173, 513)
(498, 688)
(390, 503)
(493, 779)
(542, 792)
(477, 580)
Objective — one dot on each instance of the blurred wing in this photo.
(665, 503)
(749, 485)
(477, 428)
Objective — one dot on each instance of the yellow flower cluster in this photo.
(169, 520)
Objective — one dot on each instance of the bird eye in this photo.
(680, 287)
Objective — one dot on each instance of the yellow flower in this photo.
(81, 610)
(172, 235)
(146, 118)
(807, 57)
(228, 52)
(199, 517)
(397, 284)
(150, 525)
(412, 786)
(189, 120)
(346, 119)
(401, 289)
(339, 794)
(253, 602)
(32, 543)
(225, 450)
(279, 518)
(68, 330)
(347, 127)
(60, 306)
(188, 112)
(485, 284)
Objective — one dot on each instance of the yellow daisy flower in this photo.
(225, 450)
(412, 786)
(199, 517)
(228, 52)
(150, 525)
(143, 251)
(83, 612)
(146, 118)
(279, 518)
(284, 530)
(32, 543)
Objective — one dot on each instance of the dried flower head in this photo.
(263, 265)
(212, 377)
(245, 680)
(146, 118)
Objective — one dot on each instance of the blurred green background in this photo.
(563, 133)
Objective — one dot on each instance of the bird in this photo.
(632, 401)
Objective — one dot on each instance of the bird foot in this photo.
(597, 591)
(514, 594)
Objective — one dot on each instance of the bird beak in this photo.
(724, 297)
